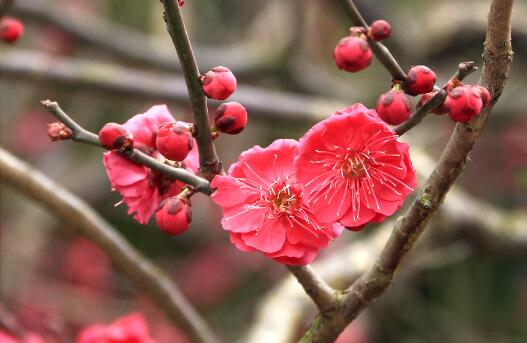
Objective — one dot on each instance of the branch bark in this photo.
(497, 58)
(142, 272)
(210, 165)
(84, 136)
(321, 294)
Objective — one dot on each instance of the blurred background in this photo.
(107, 60)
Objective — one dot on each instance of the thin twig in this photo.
(140, 270)
(209, 162)
(464, 69)
(82, 135)
(497, 59)
(380, 51)
(317, 289)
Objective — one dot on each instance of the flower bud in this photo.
(394, 106)
(352, 53)
(441, 109)
(380, 30)
(464, 103)
(231, 118)
(58, 131)
(174, 141)
(420, 80)
(219, 83)
(11, 29)
(115, 136)
(181, 3)
(174, 215)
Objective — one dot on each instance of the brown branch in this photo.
(82, 135)
(142, 272)
(464, 69)
(210, 165)
(497, 58)
(321, 294)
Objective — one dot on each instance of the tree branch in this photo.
(82, 135)
(209, 162)
(464, 69)
(497, 59)
(321, 294)
(142, 272)
(381, 52)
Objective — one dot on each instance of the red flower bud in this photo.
(484, 94)
(394, 107)
(174, 215)
(114, 136)
(11, 29)
(441, 109)
(219, 83)
(464, 103)
(231, 118)
(181, 3)
(174, 141)
(352, 53)
(58, 131)
(380, 30)
(420, 80)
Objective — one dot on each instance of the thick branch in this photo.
(82, 135)
(497, 59)
(321, 294)
(142, 272)
(209, 162)
(464, 69)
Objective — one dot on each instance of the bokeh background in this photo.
(107, 60)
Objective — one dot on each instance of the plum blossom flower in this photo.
(265, 209)
(142, 188)
(354, 169)
(129, 329)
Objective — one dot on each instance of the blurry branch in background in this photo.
(373, 283)
(136, 46)
(5, 5)
(285, 307)
(110, 78)
(84, 136)
(209, 162)
(69, 208)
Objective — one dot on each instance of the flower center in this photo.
(353, 167)
(284, 198)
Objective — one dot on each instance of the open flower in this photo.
(354, 169)
(265, 209)
(129, 329)
(142, 188)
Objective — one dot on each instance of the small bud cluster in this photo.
(219, 83)
(11, 29)
(58, 132)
